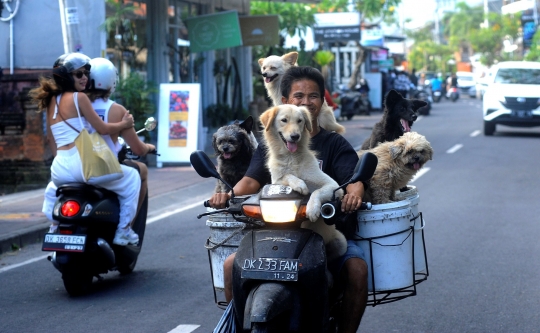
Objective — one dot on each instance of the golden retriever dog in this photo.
(399, 161)
(292, 163)
(272, 70)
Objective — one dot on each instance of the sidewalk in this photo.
(22, 222)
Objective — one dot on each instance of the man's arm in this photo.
(246, 185)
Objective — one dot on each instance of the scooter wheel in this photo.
(76, 282)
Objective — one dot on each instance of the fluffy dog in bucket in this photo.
(399, 161)
(234, 146)
(292, 163)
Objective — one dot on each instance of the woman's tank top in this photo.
(63, 134)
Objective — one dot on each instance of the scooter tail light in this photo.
(70, 208)
(252, 211)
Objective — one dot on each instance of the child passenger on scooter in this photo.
(69, 112)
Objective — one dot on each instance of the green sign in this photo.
(214, 31)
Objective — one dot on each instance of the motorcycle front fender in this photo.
(270, 299)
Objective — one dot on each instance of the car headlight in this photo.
(280, 211)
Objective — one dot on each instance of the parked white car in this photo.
(512, 96)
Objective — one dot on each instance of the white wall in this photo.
(38, 37)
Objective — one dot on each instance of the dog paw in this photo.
(299, 186)
(313, 209)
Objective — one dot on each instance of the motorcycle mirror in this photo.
(149, 125)
(203, 165)
(364, 170)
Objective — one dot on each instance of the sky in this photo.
(423, 11)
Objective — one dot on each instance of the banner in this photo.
(260, 30)
(179, 110)
(214, 31)
(528, 27)
(334, 27)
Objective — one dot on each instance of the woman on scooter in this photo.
(69, 112)
(304, 86)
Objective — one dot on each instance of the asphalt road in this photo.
(479, 199)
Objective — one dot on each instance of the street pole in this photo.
(69, 17)
(486, 11)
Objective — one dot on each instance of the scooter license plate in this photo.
(64, 243)
(437, 93)
(270, 269)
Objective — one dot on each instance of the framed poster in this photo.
(178, 123)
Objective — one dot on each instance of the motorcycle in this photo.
(88, 217)
(423, 93)
(278, 269)
(453, 94)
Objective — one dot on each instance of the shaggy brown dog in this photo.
(399, 160)
(272, 70)
(293, 164)
(234, 146)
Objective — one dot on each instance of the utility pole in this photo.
(486, 11)
(69, 16)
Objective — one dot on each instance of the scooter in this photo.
(88, 217)
(423, 93)
(453, 94)
(280, 281)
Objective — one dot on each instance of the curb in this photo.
(27, 236)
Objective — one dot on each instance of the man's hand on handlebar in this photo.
(219, 200)
(350, 203)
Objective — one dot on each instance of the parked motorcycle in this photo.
(280, 281)
(88, 217)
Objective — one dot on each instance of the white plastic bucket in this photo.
(418, 223)
(222, 226)
(387, 228)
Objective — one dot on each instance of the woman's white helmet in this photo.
(103, 75)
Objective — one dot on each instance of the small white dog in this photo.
(291, 163)
(272, 70)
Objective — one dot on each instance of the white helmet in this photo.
(103, 75)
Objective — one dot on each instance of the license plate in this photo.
(437, 93)
(64, 243)
(522, 113)
(270, 269)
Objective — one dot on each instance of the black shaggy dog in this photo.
(234, 146)
(398, 117)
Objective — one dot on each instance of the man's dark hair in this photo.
(298, 73)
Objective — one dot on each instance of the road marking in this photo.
(454, 148)
(176, 211)
(5, 269)
(185, 328)
(476, 133)
(419, 174)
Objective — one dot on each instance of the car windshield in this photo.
(518, 76)
(465, 78)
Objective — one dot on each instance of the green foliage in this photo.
(134, 93)
(534, 51)
(222, 114)
(430, 56)
(323, 58)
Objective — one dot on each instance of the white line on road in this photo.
(5, 269)
(454, 148)
(419, 174)
(185, 328)
(476, 133)
(176, 211)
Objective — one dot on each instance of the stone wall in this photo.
(25, 157)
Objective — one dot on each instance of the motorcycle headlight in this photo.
(280, 211)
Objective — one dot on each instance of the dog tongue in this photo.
(226, 155)
(267, 80)
(416, 166)
(405, 125)
(292, 146)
